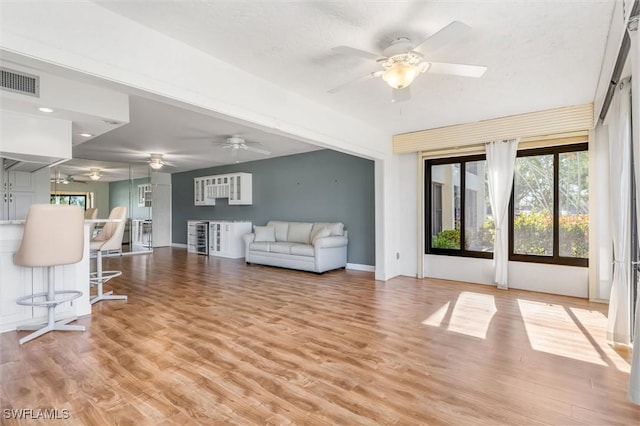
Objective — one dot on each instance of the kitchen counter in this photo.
(12, 222)
(17, 281)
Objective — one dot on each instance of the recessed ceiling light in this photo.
(45, 109)
(85, 135)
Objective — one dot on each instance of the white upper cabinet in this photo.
(237, 187)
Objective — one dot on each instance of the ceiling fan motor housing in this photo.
(234, 140)
(399, 46)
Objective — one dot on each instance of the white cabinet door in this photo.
(203, 192)
(225, 238)
(4, 206)
(18, 204)
(192, 237)
(217, 238)
(240, 189)
(199, 194)
(20, 181)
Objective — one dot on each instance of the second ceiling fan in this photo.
(236, 143)
(401, 62)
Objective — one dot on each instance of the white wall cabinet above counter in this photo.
(237, 187)
(19, 190)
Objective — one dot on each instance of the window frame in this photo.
(556, 259)
(462, 251)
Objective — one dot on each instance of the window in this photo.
(478, 227)
(74, 200)
(549, 217)
(550, 206)
(460, 222)
(436, 202)
(533, 205)
(445, 217)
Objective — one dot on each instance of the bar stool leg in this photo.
(100, 280)
(51, 324)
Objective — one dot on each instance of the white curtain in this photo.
(501, 162)
(634, 376)
(619, 123)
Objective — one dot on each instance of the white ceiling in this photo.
(187, 139)
(541, 54)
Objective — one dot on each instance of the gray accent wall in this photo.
(120, 193)
(318, 186)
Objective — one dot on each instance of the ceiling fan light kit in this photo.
(156, 162)
(401, 63)
(95, 174)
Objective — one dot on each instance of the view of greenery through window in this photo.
(533, 205)
(573, 191)
(74, 200)
(445, 220)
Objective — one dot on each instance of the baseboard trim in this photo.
(178, 245)
(359, 267)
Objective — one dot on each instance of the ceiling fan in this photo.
(62, 179)
(236, 143)
(401, 62)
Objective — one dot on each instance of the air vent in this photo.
(20, 82)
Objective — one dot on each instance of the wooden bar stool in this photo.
(53, 235)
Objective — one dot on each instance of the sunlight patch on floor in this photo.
(595, 319)
(436, 318)
(470, 315)
(569, 339)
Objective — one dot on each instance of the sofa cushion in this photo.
(302, 250)
(281, 247)
(299, 232)
(282, 228)
(265, 234)
(259, 247)
(324, 232)
(336, 228)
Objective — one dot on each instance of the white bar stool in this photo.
(108, 238)
(53, 235)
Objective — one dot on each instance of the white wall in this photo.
(408, 238)
(557, 279)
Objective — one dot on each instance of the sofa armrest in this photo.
(328, 242)
(248, 238)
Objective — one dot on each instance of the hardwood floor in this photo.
(213, 341)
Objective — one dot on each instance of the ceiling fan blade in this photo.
(401, 95)
(349, 83)
(258, 150)
(452, 32)
(346, 50)
(460, 70)
(227, 146)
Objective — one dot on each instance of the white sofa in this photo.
(316, 247)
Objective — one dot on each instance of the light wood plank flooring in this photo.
(213, 341)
